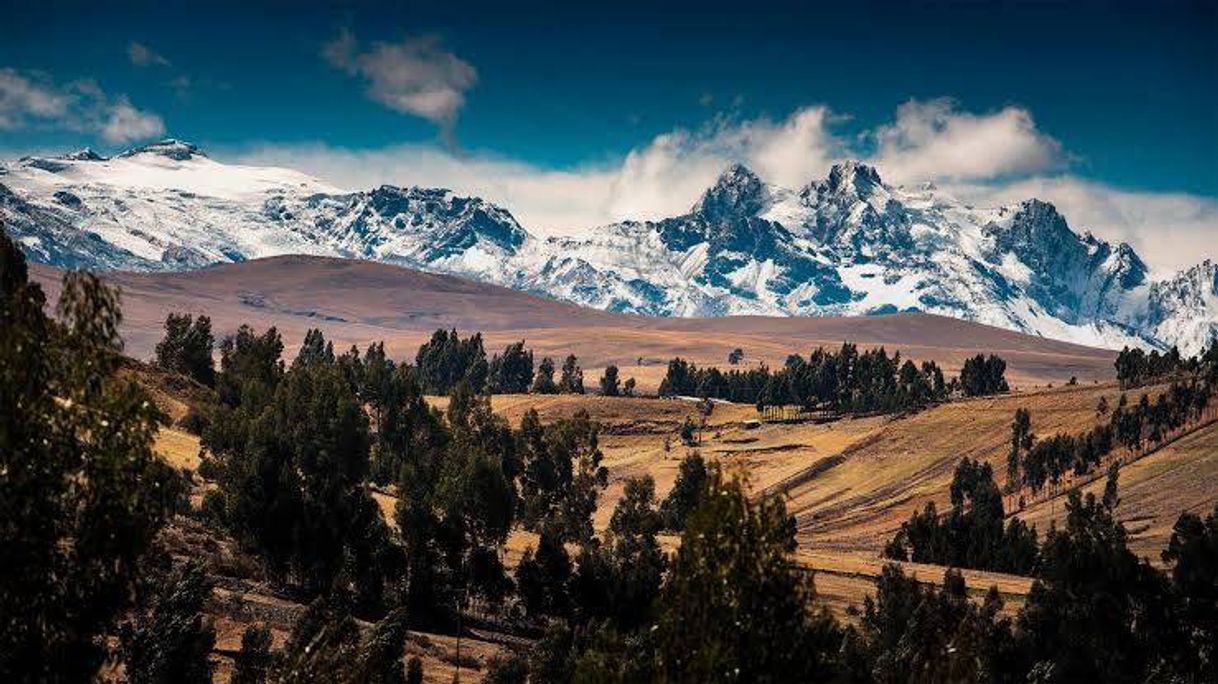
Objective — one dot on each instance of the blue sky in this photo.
(1118, 102)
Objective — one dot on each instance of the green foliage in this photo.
(250, 365)
(1192, 552)
(543, 381)
(167, 640)
(983, 375)
(915, 633)
(509, 669)
(187, 346)
(447, 360)
(683, 497)
(542, 577)
(255, 663)
(846, 380)
(1097, 611)
(735, 356)
(326, 646)
(735, 608)
(572, 379)
(972, 534)
(609, 382)
(81, 493)
(562, 474)
(291, 466)
(1021, 441)
(632, 562)
(511, 372)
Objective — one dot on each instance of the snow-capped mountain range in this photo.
(845, 245)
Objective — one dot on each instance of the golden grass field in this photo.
(849, 483)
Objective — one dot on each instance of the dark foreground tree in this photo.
(736, 607)
(81, 493)
(168, 639)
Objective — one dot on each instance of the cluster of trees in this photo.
(733, 605)
(846, 380)
(1135, 367)
(446, 361)
(293, 448)
(1035, 462)
(983, 375)
(972, 534)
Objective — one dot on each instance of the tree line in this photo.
(1036, 462)
(1135, 367)
(846, 380)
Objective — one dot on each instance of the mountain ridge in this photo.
(847, 244)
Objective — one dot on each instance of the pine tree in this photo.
(572, 380)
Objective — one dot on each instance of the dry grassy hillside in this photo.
(357, 302)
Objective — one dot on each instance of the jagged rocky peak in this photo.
(170, 148)
(84, 154)
(739, 193)
(852, 177)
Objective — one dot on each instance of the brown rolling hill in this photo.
(357, 302)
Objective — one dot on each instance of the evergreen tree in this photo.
(572, 380)
(1097, 612)
(734, 568)
(168, 639)
(255, 662)
(187, 346)
(512, 372)
(81, 493)
(609, 382)
(628, 387)
(683, 498)
(447, 360)
(543, 381)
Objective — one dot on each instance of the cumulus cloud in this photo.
(143, 56)
(124, 123)
(933, 140)
(662, 177)
(665, 175)
(27, 97)
(33, 100)
(415, 76)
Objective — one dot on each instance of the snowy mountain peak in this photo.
(84, 154)
(844, 245)
(170, 148)
(739, 193)
(853, 177)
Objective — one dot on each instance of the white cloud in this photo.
(416, 76)
(665, 175)
(932, 140)
(125, 123)
(32, 100)
(143, 56)
(27, 97)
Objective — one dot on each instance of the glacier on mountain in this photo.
(848, 244)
